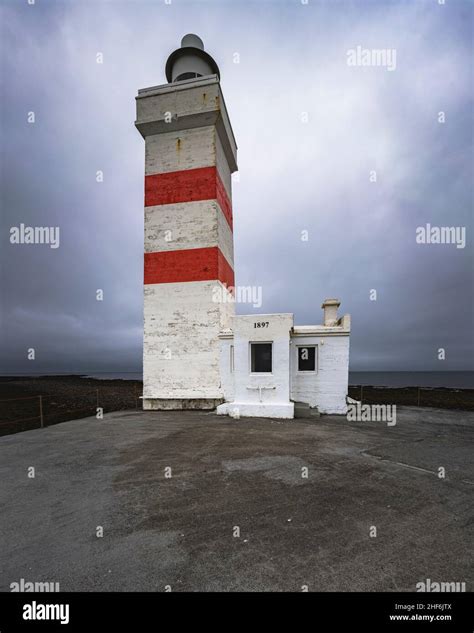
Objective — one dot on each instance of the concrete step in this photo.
(303, 410)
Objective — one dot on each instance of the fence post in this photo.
(41, 409)
(361, 393)
(97, 400)
(418, 396)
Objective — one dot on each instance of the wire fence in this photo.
(40, 411)
(437, 397)
(29, 412)
(359, 392)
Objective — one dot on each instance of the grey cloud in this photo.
(294, 176)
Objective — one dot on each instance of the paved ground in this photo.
(247, 473)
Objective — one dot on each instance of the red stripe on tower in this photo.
(194, 264)
(189, 185)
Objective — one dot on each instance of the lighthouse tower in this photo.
(190, 154)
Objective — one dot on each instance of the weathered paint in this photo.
(180, 106)
(325, 388)
(181, 344)
(227, 367)
(223, 166)
(175, 151)
(188, 241)
(194, 264)
(202, 183)
(261, 394)
(171, 227)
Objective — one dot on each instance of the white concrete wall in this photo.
(171, 227)
(227, 376)
(181, 350)
(185, 149)
(223, 167)
(181, 345)
(181, 99)
(327, 389)
(273, 401)
(186, 105)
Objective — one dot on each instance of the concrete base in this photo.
(257, 410)
(180, 404)
(340, 409)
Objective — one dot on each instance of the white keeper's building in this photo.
(197, 354)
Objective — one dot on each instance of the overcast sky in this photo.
(294, 175)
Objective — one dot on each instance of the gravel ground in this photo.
(248, 474)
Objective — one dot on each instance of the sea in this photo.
(427, 379)
(449, 379)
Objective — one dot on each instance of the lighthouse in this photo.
(190, 154)
(197, 353)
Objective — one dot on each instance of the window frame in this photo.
(259, 373)
(316, 359)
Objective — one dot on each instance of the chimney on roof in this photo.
(330, 307)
